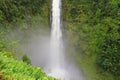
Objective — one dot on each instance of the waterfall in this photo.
(56, 53)
(56, 34)
(58, 67)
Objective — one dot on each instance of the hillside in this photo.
(91, 34)
(12, 69)
(92, 28)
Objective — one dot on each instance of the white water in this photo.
(56, 34)
(52, 59)
(58, 67)
(57, 54)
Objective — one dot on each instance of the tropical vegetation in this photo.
(91, 31)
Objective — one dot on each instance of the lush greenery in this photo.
(95, 26)
(91, 28)
(18, 18)
(21, 16)
(13, 10)
(11, 69)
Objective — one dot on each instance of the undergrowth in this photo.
(11, 69)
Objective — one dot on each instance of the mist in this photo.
(37, 48)
(46, 48)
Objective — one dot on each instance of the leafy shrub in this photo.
(26, 59)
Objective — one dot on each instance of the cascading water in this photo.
(56, 34)
(49, 53)
(56, 55)
(58, 67)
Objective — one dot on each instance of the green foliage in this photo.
(109, 51)
(93, 30)
(18, 18)
(12, 11)
(26, 59)
(12, 69)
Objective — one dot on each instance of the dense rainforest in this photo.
(95, 26)
(91, 30)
